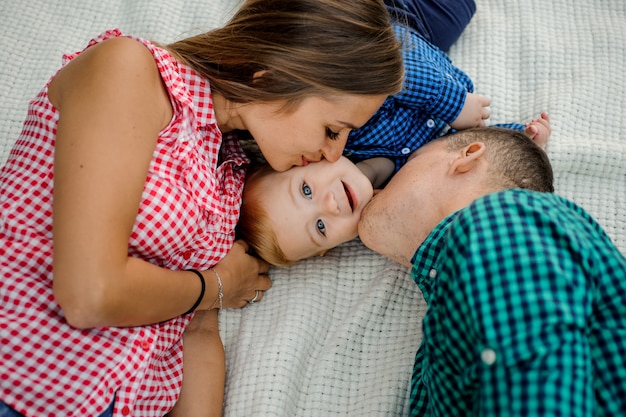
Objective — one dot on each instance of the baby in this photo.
(306, 211)
(436, 96)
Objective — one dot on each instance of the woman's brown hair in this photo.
(290, 49)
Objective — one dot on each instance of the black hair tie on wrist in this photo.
(199, 300)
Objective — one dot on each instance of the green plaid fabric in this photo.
(527, 312)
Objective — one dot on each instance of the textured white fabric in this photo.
(336, 335)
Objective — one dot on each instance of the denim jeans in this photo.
(440, 22)
(6, 411)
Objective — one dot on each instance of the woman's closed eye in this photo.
(332, 135)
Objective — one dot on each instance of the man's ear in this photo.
(469, 158)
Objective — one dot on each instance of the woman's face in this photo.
(316, 130)
(315, 207)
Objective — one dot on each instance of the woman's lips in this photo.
(306, 161)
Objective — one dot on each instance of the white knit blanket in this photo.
(336, 335)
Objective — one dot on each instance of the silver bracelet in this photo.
(220, 294)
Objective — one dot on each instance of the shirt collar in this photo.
(426, 257)
(202, 97)
(201, 94)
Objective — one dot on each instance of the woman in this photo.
(140, 143)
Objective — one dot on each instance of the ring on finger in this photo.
(255, 298)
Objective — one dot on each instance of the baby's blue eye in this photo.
(321, 227)
(306, 190)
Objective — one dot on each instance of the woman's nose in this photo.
(333, 149)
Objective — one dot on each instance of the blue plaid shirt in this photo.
(527, 312)
(433, 95)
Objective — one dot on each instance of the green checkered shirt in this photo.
(527, 312)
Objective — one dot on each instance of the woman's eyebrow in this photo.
(346, 124)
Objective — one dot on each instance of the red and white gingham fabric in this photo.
(188, 212)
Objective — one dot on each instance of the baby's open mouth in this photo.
(349, 195)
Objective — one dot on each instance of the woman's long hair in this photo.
(289, 49)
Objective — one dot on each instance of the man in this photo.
(526, 293)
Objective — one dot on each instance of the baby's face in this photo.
(315, 207)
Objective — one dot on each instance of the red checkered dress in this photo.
(188, 212)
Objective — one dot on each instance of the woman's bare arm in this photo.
(112, 105)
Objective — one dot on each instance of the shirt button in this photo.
(145, 344)
(488, 356)
(125, 410)
(187, 255)
(405, 151)
(430, 123)
(432, 273)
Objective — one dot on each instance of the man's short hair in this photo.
(515, 160)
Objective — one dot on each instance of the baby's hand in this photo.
(539, 130)
(474, 113)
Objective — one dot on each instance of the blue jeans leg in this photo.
(440, 22)
(109, 411)
(6, 411)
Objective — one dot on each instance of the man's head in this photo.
(302, 212)
(447, 175)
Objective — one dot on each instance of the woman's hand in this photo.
(242, 276)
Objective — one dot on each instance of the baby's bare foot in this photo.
(539, 130)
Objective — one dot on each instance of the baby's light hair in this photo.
(255, 226)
